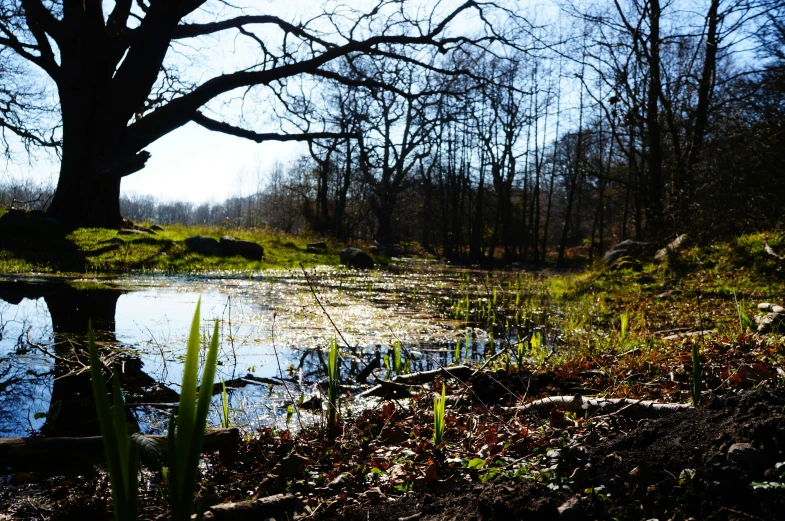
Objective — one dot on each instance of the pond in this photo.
(274, 327)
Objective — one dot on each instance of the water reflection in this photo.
(142, 324)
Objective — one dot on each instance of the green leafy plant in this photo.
(186, 430)
(332, 386)
(438, 417)
(695, 382)
(122, 455)
(225, 421)
(745, 321)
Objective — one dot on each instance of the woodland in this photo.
(503, 343)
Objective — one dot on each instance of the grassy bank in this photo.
(88, 250)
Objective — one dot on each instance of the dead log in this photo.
(387, 390)
(635, 409)
(460, 372)
(65, 454)
(279, 506)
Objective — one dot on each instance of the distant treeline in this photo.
(632, 120)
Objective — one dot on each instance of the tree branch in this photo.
(226, 128)
(193, 30)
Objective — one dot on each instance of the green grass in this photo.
(84, 251)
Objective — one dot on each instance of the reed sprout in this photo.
(438, 417)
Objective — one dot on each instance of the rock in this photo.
(771, 321)
(250, 250)
(203, 245)
(373, 249)
(130, 231)
(316, 251)
(745, 455)
(157, 228)
(677, 244)
(628, 248)
(228, 245)
(572, 509)
(356, 258)
(318, 245)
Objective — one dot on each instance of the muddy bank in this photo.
(686, 466)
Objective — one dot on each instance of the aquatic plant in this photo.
(122, 455)
(438, 417)
(332, 386)
(225, 421)
(186, 430)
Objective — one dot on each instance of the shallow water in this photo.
(142, 324)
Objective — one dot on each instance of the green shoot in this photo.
(438, 417)
(624, 324)
(225, 421)
(122, 456)
(745, 321)
(397, 366)
(695, 383)
(186, 431)
(332, 388)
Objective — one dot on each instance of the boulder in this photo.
(157, 228)
(250, 250)
(628, 248)
(228, 245)
(203, 245)
(356, 258)
(676, 245)
(317, 245)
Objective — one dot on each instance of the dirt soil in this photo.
(675, 468)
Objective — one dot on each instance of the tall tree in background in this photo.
(113, 85)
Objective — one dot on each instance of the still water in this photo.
(273, 331)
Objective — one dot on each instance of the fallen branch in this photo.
(62, 454)
(460, 372)
(387, 390)
(279, 506)
(636, 409)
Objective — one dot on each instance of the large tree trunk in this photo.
(84, 198)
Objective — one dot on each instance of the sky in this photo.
(192, 163)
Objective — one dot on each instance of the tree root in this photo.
(635, 409)
(62, 454)
(278, 506)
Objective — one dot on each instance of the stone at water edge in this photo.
(356, 258)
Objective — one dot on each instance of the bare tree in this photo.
(122, 76)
